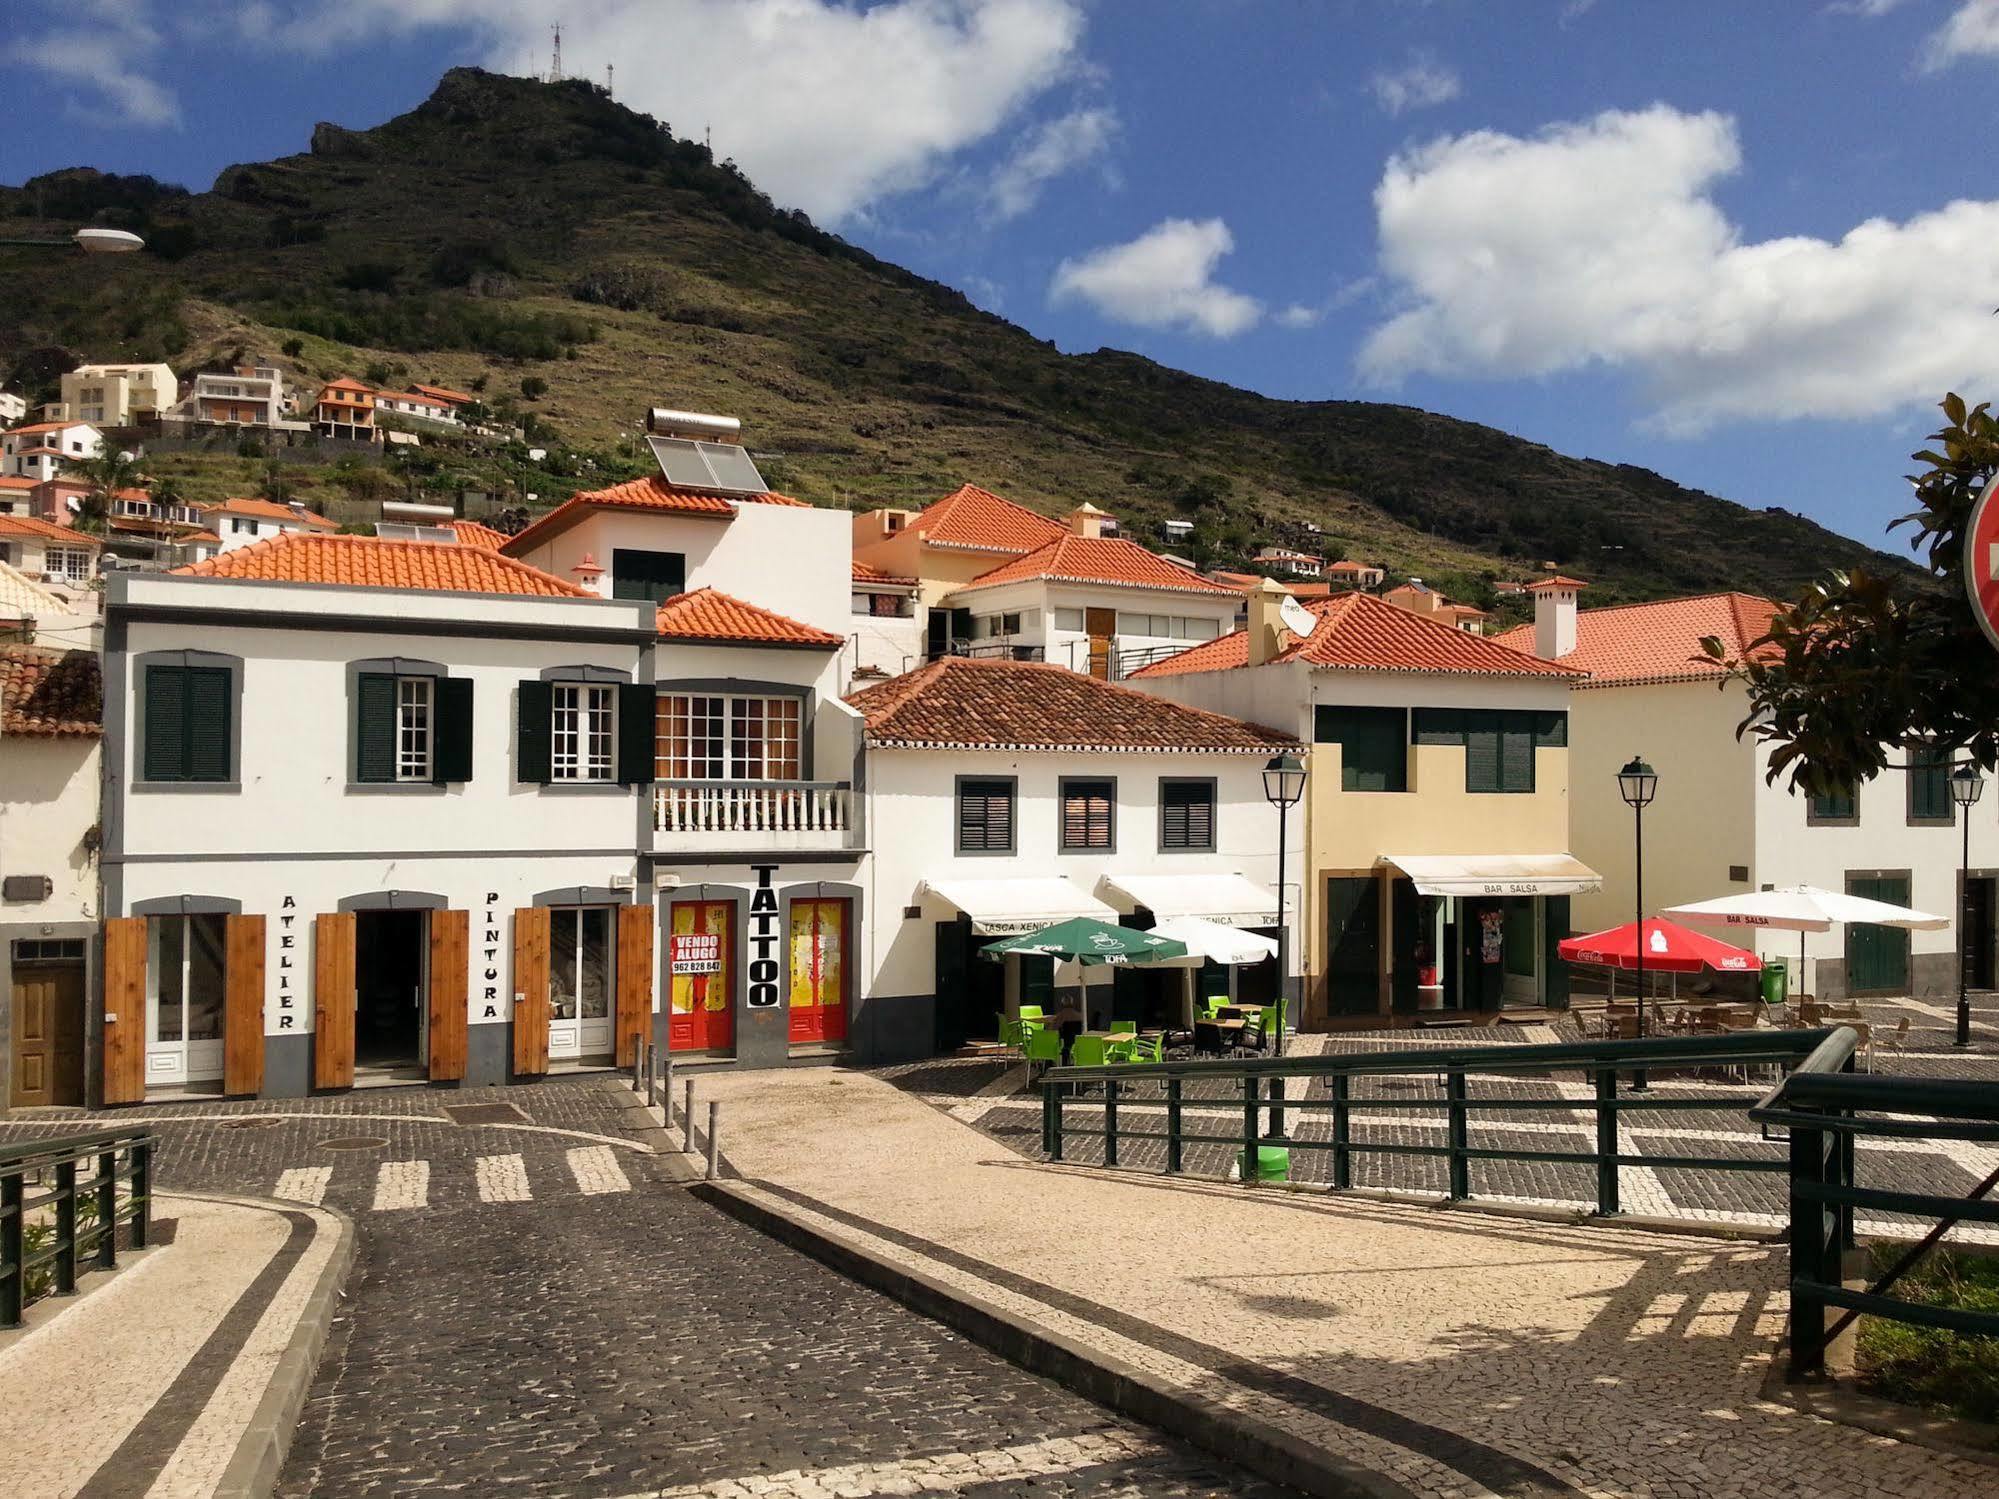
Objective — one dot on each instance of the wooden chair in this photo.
(1894, 1039)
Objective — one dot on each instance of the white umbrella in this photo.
(1212, 942)
(1805, 908)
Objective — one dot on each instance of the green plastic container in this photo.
(1776, 981)
(1273, 1162)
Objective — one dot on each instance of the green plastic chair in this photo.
(1147, 1048)
(1043, 1047)
(1012, 1033)
(1124, 1027)
(1030, 1012)
(1088, 1051)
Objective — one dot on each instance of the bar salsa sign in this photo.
(1981, 562)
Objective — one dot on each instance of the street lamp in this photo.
(1283, 784)
(90, 241)
(1966, 786)
(1638, 783)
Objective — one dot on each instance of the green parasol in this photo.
(1083, 940)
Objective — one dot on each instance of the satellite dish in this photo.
(108, 242)
(1297, 618)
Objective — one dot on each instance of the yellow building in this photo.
(950, 541)
(1439, 871)
(118, 395)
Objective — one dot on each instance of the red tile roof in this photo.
(17, 481)
(979, 520)
(867, 572)
(474, 533)
(1555, 582)
(962, 703)
(47, 694)
(446, 394)
(44, 427)
(1623, 645)
(1243, 582)
(1350, 569)
(46, 530)
(1358, 632)
(371, 562)
(710, 614)
(257, 509)
(348, 382)
(649, 493)
(1102, 560)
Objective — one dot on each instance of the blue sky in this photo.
(1745, 245)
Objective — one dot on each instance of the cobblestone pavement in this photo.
(535, 1310)
(997, 1098)
(1452, 1354)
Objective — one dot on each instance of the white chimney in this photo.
(1267, 634)
(1554, 616)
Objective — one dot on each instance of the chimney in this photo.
(1266, 627)
(1087, 520)
(1554, 616)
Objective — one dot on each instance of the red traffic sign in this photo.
(1981, 562)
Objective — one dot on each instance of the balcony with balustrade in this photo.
(754, 816)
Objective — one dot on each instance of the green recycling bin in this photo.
(1776, 981)
(1273, 1162)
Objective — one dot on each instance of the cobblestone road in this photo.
(535, 1310)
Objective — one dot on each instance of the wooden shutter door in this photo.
(451, 749)
(333, 1000)
(638, 742)
(634, 1013)
(450, 938)
(375, 727)
(243, 1006)
(535, 704)
(164, 753)
(531, 924)
(125, 1009)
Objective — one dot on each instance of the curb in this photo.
(1265, 1450)
(252, 1471)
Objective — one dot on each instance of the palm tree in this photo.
(106, 474)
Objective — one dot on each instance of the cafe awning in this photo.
(1229, 899)
(1000, 908)
(1498, 874)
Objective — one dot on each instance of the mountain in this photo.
(508, 230)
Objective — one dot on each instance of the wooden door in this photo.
(701, 962)
(243, 1005)
(48, 1035)
(1977, 937)
(531, 991)
(450, 954)
(633, 1016)
(333, 1000)
(1101, 626)
(818, 953)
(124, 1009)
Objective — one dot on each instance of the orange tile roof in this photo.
(40, 453)
(1622, 645)
(1358, 632)
(474, 533)
(259, 509)
(17, 481)
(446, 394)
(649, 493)
(371, 562)
(710, 614)
(348, 382)
(1555, 582)
(1243, 582)
(43, 427)
(50, 694)
(411, 395)
(981, 521)
(867, 572)
(46, 530)
(962, 703)
(1350, 569)
(1105, 560)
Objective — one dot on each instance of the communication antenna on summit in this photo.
(610, 79)
(555, 60)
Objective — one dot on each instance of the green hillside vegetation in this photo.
(573, 262)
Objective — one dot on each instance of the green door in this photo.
(1877, 957)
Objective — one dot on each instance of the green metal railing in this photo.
(52, 1223)
(1827, 1108)
(1245, 1083)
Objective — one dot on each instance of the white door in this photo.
(579, 981)
(185, 962)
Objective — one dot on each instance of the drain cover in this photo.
(484, 1113)
(354, 1142)
(252, 1123)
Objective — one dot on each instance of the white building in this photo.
(118, 395)
(12, 407)
(39, 450)
(50, 721)
(1290, 561)
(1021, 794)
(48, 553)
(887, 629)
(1719, 827)
(249, 396)
(238, 523)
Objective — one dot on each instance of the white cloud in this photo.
(1051, 149)
(1597, 244)
(1971, 31)
(1162, 279)
(108, 51)
(1420, 83)
(1298, 315)
(1868, 8)
(1310, 315)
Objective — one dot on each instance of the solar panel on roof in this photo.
(719, 468)
(732, 466)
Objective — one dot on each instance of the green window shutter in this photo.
(1551, 730)
(374, 727)
(639, 574)
(451, 730)
(164, 754)
(1836, 804)
(1516, 753)
(536, 707)
(1929, 785)
(1438, 725)
(1482, 751)
(208, 715)
(637, 746)
(1374, 745)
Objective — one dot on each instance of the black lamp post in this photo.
(1283, 784)
(1966, 786)
(1638, 783)
(90, 241)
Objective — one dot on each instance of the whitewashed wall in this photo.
(48, 804)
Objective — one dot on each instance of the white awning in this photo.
(1000, 908)
(1498, 874)
(1228, 899)
(1211, 942)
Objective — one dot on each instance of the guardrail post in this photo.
(142, 1191)
(688, 1114)
(1609, 1198)
(1814, 1249)
(1110, 1121)
(1172, 1124)
(638, 1066)
(1342, 1131)
(1460, 1134)
(65, 1227)
(13, 1274)
(666, 1088)
(1052, 1101)
(714, 1135)
(107, 1210)
(1252, 1160)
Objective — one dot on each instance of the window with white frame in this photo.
(67, 564)
(413, 726)
(583, 738)
(725, 737)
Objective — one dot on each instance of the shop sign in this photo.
(763, 941)
(696, 953)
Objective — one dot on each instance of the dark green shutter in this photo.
(374, 727)
(536, 706)
(1555, 920)
(451, 730)
(1482, 751)
(1374, 745)
(165, 751)
(1877, 957)
(637, 734)
(1516, 753)
(1551, 730)
(638, 574)
(208, 723)
(1929, 784)
(1438, 725)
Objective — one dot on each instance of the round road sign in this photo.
(1981, 562)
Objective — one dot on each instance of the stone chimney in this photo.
(1087, 520)
(1267, 633)
(1555, 616)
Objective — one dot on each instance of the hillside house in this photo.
(887, 634)
(241, 522)
(1290, 562)
(48, 553)
(13, 408)
(1361, 575)
(345, 408)
(118, 395)
(1417, 597)
(248, 396)
(39, 450)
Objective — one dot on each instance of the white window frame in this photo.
(583, 733)
(715, 755)
(578, 1034)
(179, 1059)
(416, 727)
(67, 564)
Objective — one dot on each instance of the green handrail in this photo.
(67, 1243)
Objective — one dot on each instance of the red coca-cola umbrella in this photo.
(1668, 949)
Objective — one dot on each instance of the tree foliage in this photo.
(1864, 667)
(106, 474)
